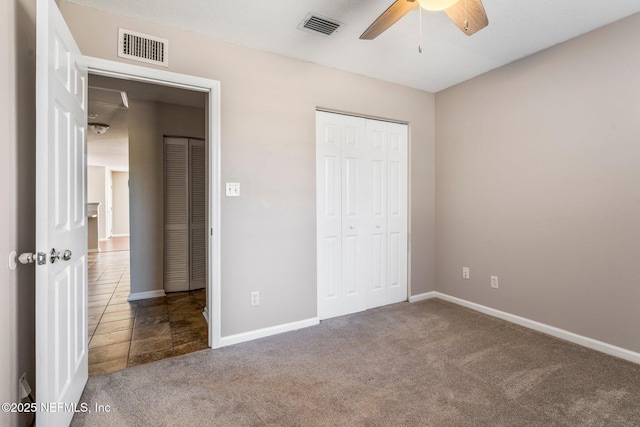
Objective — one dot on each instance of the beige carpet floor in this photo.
(430, 363)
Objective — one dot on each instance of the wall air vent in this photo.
(319, 25)
(142, 47)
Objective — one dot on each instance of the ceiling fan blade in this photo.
(470, 10)
(389, 17)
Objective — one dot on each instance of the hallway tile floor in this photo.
(124, 333)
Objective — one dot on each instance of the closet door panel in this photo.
(176, 215)
(377, 213)
(397, 212)
(197, 214)
(355, 200)
(329, 214)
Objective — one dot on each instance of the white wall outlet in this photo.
(465, 273)
(233, 189)
(494, 282)
(255, 298)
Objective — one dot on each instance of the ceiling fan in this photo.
(468, 15)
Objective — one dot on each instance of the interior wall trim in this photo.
(267, 332)
(587, 342)
(422, 297)
(144, 295)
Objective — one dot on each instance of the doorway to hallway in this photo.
(128, 326)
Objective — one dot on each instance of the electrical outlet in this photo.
(255, 298)
(465, 273)
(494, 282)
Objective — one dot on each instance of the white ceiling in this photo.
(517, 28)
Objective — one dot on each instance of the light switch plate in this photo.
(233, 189)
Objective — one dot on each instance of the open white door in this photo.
(61, 220)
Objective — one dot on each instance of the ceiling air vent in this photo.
(143, 47)
(319, 24)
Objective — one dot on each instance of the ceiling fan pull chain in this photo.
(420, 20)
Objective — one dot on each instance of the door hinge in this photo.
(42, 258)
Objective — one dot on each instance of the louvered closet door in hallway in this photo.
(185, 173)
(361, 213)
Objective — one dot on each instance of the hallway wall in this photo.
(97, 193)
(120, 203)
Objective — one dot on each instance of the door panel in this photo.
(354, 203)
(176, 214)
(197, 214)
(61, 219)
(377, 135)
(397, 208)
(340, 207)
(329, 216)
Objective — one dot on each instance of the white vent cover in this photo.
(143, 47)
(320, 25)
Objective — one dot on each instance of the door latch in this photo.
(54, 255)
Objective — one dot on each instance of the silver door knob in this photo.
(66, 255)
(351, 227)
(27, 258)
(377, 225)
(54, 255)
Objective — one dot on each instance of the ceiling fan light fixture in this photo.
(437, 4)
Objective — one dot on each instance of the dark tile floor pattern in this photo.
(123, 333)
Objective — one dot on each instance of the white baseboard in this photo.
(120, 235)
(145, 295)
(103, 239)
(266, 332)
(93, 250)
(600, 346)
(422, 297)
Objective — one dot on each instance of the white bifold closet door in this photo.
(361, 213)
(185, 174)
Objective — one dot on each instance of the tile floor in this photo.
(123, 333)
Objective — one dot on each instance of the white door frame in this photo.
(124, 71)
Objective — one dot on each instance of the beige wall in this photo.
(148, 123)
(7, 193)
(120, 203)
(17, 213)
(538, 182)
(96, 193)
(268, 145)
